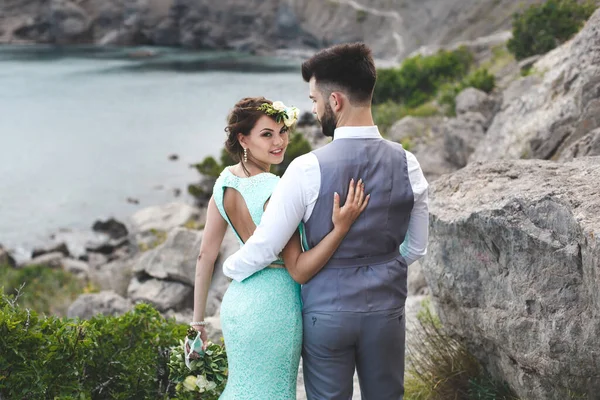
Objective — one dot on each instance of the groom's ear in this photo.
(336, 101)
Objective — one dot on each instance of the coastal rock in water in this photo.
(6, 258)
(164, 295)
(113, 228)
(53, 260)
(561, 105)
(61, 248)
(106, 302)
(164, 217)
(514, 267)
(589, 145)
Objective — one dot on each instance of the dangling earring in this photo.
(245, 155)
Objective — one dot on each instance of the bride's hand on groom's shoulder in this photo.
(343, 217)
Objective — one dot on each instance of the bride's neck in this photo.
(253, 167)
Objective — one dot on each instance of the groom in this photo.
(353, 309)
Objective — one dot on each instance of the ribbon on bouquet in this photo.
(193, 346)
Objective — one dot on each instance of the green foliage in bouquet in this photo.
(208, 374)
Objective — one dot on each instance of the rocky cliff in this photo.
(393, 29)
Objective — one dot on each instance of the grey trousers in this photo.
(335, 343)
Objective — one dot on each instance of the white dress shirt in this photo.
(293, 201)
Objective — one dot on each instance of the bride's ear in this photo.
(242, 140)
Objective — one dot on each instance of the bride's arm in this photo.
(302, 266)
(214, 231)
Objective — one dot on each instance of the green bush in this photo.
(386, 114)
(122, 357)
(45, 290)
(542, 27)
(418, 79)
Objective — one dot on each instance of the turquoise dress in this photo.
(261, 317)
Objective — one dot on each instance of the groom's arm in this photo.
(293, 197)
(417, 236)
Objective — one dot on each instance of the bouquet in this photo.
(203, 377)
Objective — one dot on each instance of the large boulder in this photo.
(514, 267)
(461, 136)
(543, 114)
(162, 294)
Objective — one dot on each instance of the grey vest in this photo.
(367, 272)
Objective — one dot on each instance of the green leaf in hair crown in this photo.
(287, 115)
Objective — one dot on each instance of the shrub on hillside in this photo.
(542, 27)
(123, 357)
(418, 79)
(45, 290)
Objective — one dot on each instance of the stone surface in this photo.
(543, 114)
(514, 267)
(164, 295)
(164, 217)
(106, 302)
(589, 145)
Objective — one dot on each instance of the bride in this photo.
(261, 316)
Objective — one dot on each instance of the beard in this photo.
(328, 122)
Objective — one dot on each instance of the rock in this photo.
(113, 228)
(113, 276)
(589, 145)
(76, 267)
(417, 285)
(526, 64)
(461, 137)
(162, 294)
(175, 259)
(106, 303)
(6, 258)
(95, 260)
(106, 247)
(424, 138)
(472, 100)
(53, 260)
(68, 22)
(514, 267)
(61, 248)
(561, 105)
(164, 217)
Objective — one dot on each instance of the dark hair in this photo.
(346, 67)
(242, 119)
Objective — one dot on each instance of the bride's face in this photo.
(267, 141)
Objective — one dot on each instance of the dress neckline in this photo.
(246, 177)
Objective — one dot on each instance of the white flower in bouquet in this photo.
(189, 383)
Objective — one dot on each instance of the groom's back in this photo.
(367, 272)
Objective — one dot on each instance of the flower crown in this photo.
(287, 115)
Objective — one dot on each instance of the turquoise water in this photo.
(81, 130)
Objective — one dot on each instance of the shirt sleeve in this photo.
(415, 243)
(287, 206)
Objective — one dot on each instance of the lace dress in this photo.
(261, 316)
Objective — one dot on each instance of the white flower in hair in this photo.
(278, 106)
